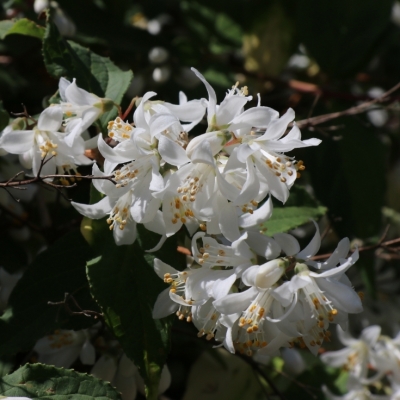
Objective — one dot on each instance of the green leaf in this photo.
(342, 35)
(58, 270)
(96, 74)
(6, 364)
(233, 379)
(22, 26)
(123, 282)
(38, 381)
(286, 218)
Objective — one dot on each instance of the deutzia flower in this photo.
(265, 152)
(356, 355)
(80, 107)
(45, 144)
(63, 347)
(229, 116)
(122, 209)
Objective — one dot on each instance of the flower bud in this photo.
(216, 139)
(301, 268)
(270, 272)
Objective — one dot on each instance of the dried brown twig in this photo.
(320, 119)
(12, 183)
(380, 244)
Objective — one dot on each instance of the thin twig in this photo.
(350, 111)
(379, 244)
(67, 297)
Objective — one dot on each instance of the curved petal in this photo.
(260, 215)
(289, 244)
(126, 235)
(78, 96)
(258, 117)
(312, 248)
(171, 152)
(371, 334)
(236, 302)
(263, 245)
(230, 108)
(50, 119)
(17, 142)
(343, 297)
(161, 268)
(161, 122)
(212, 97)
(97, 210)
(278, 126)
(164, 306)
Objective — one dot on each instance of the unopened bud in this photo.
(215, 139)
(270, 272)
(301, 268)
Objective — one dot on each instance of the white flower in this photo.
(63, 347)
(356, 356)
(45, 143)
(125, 377)
(229, 116)
(266, 150)
(125, 207)
(80, 107)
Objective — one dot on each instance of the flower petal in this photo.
(289, 244)
(97, 210)
(312, 248)
(50, 119)
(236, 302)
(17, 142)
(171, 152)
(164, 306)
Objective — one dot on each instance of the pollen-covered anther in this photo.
(203, 227)
(361, 295)
(316, 302)
(209, 336)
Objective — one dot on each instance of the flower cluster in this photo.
(373, 363)
(217, 183)
(260, 308)
(54, 143)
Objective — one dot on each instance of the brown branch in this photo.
(310, 122)
(379, 244)
(42, 179)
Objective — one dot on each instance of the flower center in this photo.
(120, 214)
(60, 339)
(119, 130)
